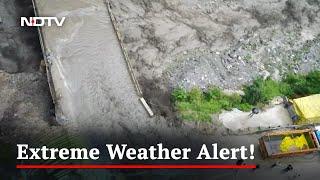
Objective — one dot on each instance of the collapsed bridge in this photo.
(89, 77)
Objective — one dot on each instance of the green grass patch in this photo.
(199, 105)
(262, 91)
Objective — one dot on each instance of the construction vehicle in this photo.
(304, 110)
(286, 143)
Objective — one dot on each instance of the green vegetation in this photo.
(200, 105)
(302, 85)
(262, 91)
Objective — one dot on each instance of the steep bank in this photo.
(26, 107)
(225, 43)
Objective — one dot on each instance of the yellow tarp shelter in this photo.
(308, 109)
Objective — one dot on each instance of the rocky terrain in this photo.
(171, 43)
(25, 102)
(19, 46)
(225, 43)
(24, 105)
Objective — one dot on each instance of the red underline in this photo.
(135, 166)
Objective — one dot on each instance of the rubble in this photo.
(26, 107)
(231, 42)
(196, 43)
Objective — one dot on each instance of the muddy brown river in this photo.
(90, 80)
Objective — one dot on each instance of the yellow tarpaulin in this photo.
(308, 109)
(289, 144)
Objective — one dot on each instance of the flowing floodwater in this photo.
(91, 83)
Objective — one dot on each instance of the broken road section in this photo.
(91, 83)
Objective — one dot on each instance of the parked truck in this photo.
(279, 144)
(304, 110)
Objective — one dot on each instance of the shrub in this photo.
(195, 95)
(179, 95)
(297, 83)
(200, 105)
(213, 93)
(302, 85)
(244, 107)
(262, 91)
(313, 82)
(253, 93)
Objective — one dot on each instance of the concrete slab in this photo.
(273, 117)
(91, 83)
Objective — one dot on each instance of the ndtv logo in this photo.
(41, 21)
